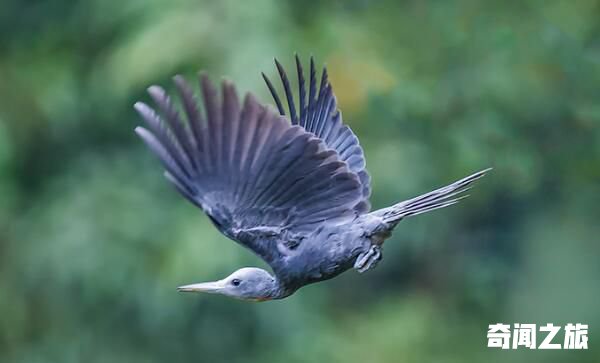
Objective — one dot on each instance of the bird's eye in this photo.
(236, 282)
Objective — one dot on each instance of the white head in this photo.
(248, 283)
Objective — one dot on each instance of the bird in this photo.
(290, 185)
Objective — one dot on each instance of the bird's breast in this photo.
(324, 255)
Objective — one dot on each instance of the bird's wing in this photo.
(261, 180)
(319, 115)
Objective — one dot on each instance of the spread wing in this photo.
(263, 182)
(319, 115)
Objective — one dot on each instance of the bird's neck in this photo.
(278, 290)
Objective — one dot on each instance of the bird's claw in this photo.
(369, 259)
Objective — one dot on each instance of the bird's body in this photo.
(292, 189)
(322, 255)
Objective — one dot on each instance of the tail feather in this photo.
(439, 198)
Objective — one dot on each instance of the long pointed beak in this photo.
(211, 287)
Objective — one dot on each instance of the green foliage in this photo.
(93, 241)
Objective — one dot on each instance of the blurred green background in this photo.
(93, 241)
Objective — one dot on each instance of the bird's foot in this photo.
(369, 259)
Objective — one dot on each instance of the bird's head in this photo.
(248, 283)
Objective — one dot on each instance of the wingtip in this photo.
(178, 79)
(206, 83)
(156, 91)
(140, 106)
(203, 76)
(226, 82)
(280, 68)
(139, 130)
(249, 99)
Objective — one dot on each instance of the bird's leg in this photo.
(369, 259)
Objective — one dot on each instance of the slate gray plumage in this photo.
(292, 187)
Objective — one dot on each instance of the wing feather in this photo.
(319, 115)
(254, 174)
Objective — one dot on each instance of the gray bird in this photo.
(292, 187)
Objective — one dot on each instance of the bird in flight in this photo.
(290, 185)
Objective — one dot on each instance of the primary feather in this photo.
(319, 115)
(254, 174)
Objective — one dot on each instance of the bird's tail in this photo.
(436, 199)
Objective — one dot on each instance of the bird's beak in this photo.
(211, 287)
